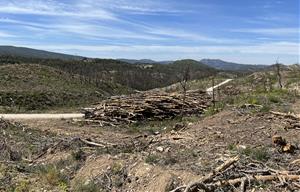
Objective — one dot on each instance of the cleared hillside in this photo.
(32, 87)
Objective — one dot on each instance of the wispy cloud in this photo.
(51, 8)
(270, 31)
(82, 29)
(5, 34)
(186, 35)
(94, 30)
(279, 48)
(145, 7)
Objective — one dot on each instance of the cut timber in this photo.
(95, 144)
(147, 106)
(286, 115)
(207, 178)
(263, 178)
(229, 175)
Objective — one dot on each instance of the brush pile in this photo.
(147, 106)
(245, 175)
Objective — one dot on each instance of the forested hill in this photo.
(28, 52)
(133, 76)
(224, 65)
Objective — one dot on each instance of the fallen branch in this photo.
(214, 181)
(92, 143)
(220, 169)
(200, 183)
(262, 178)
(286, 115)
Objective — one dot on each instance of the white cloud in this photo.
(149, 7)
(181, 34)
(270, 31)
(82, 29)
(5, 34)
(94, 31)
(54, 8)
(287, 48)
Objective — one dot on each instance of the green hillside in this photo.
(36, 87)
(136, 76)
(27, 52)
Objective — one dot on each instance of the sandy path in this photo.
(210, 90)
(42, 116)
(74, 115)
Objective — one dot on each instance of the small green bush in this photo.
(152, 159)
(89, 187)
(259, 154)
(52, 175)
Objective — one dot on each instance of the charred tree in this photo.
(279, 77)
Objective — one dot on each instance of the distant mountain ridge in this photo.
(230, 66)
(41, 54)
(144, 61)
(35, 53)
(214, 63)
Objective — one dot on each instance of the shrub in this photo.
(91, 186)
(259, 154)
(52, 175)
(152, 159)
(78, 155)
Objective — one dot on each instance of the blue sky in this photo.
(245, 31)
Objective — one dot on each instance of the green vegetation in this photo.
(28, 87)
(219, 106)
(59, 174)
(91, 186)
(162, 126)
(53, 176)
(277, 98)
(259, 154)
(34, 84)
(152, 159)
(135, 76)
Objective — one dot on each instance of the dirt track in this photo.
(72, 115)
(42, 116)
(210, 90)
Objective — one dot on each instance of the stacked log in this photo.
(147, 106)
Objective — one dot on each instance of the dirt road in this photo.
(73, 115)
(210, 90)
(42, 116)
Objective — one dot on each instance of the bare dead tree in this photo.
(184, 77)
(277, 66)
(265, 80)
(213, 92)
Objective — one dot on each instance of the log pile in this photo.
(235, 173)
(147, 106)
(292, 119)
